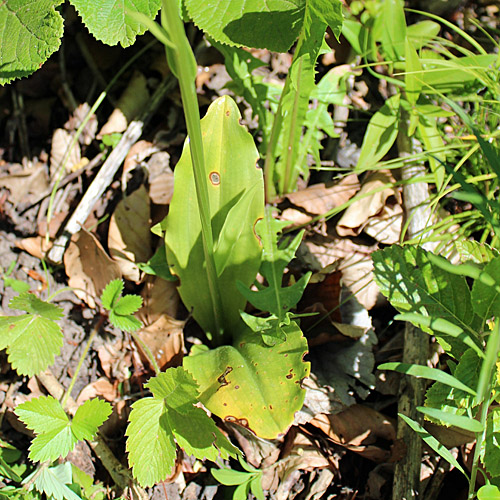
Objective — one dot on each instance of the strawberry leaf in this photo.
(156, 424)
(111, 294)
(128, 305)
(56, 435)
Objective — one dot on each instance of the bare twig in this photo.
(105, 175)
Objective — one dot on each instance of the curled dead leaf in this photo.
(88, 267)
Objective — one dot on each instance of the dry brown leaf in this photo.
(116, 360)
(37, 246)
(165, 340)
(357, 428)
(321, 198)
(101, 387)
(138, 153)
(29, 181)
(131, 103)
(89, 130)
(60, 152)
(159, 297)
(88, 267)
(295, 216)
(129, 237)
(356, 215)
(386, 227)
(357, 276)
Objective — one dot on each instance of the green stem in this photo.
(484, 398)
(93, 333)
(62, 168)
(184, 60)
(147, 351)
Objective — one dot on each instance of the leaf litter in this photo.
(343, 417)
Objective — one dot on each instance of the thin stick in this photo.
(105, 175)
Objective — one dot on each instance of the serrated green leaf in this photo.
(127, 305)
(491, 458)
(111, 293)
(457, 399)
(157, 424)
(31, 31)
(480, 253)
(150, 442)
(55, 435)
(54, 481)
(412, 283)
(32, 304)
(89, 417)
(125, 323)
(461, 421)
(111, 22)
(177, 387)
(485, 299)
(32, 342)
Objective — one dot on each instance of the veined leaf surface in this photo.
(251, 384)
(236, 196)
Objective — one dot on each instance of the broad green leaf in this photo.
(251, 384)
(420, 34)
(412, 283)
(488, 492)
(274, 298)
(455, 399)
(491, 457)
(273, 24)
(121, 309)
(157, 424)
(478, 253)
(56, 435)
(393, 32)
(231, 477)
(54, 482)
(485, 299)
(380, 135)
(463, 422)
(428, 373)
(111, 21)
(433, 443)
(31, 31)
(33, 339)
(236, 196)
(157, 265)
(127, 323)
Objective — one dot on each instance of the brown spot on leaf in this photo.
(222, 378)
(214, 178)
(289, 376)
(239, 421)
(228, 113)
(236, 386)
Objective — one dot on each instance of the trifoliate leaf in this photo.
(157, 424)
(111, 21)
(111, 294)
(54, 481)
(31, 31)
(32, 304)
(56, 435)
(125, 323)
(128, 305)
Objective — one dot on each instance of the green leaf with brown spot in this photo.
(251, 384)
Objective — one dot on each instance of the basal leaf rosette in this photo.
(252, 384)
(159, 423)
